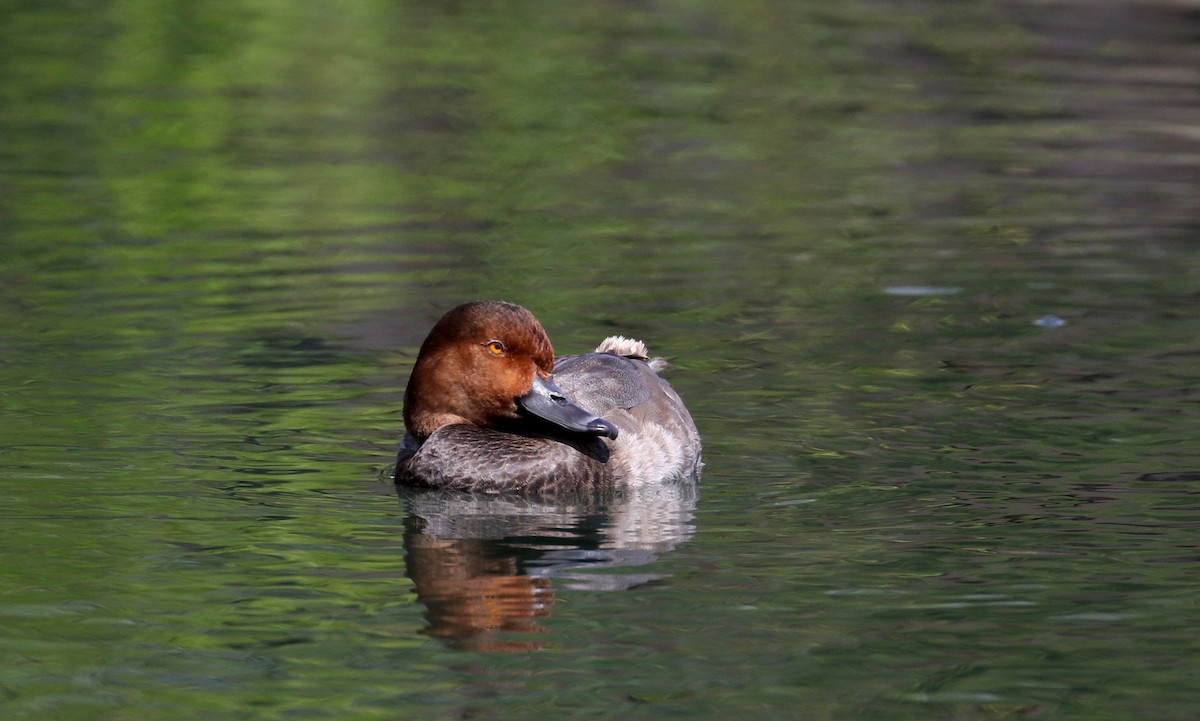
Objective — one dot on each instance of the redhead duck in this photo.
(489, 408)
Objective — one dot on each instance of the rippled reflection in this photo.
(486, 568)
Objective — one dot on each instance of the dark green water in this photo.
(225, 228)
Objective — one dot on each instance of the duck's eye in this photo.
(495, 347)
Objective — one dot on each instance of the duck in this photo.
(489, 408)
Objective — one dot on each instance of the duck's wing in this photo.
(603, 382)
(658, 438)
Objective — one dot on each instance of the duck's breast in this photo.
(471, 458)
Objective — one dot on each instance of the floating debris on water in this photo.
(1050, 321)
(918, 290)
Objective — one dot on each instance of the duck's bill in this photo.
(548, 402)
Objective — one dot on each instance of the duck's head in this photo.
(487, 363)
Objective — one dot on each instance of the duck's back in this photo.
(658, 438)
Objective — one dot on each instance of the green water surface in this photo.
(927, 273)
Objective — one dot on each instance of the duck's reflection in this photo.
(486, 567)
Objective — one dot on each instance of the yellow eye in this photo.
(496, 347)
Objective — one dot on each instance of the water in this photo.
(927, 273)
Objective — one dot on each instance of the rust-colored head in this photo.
(477, 361)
